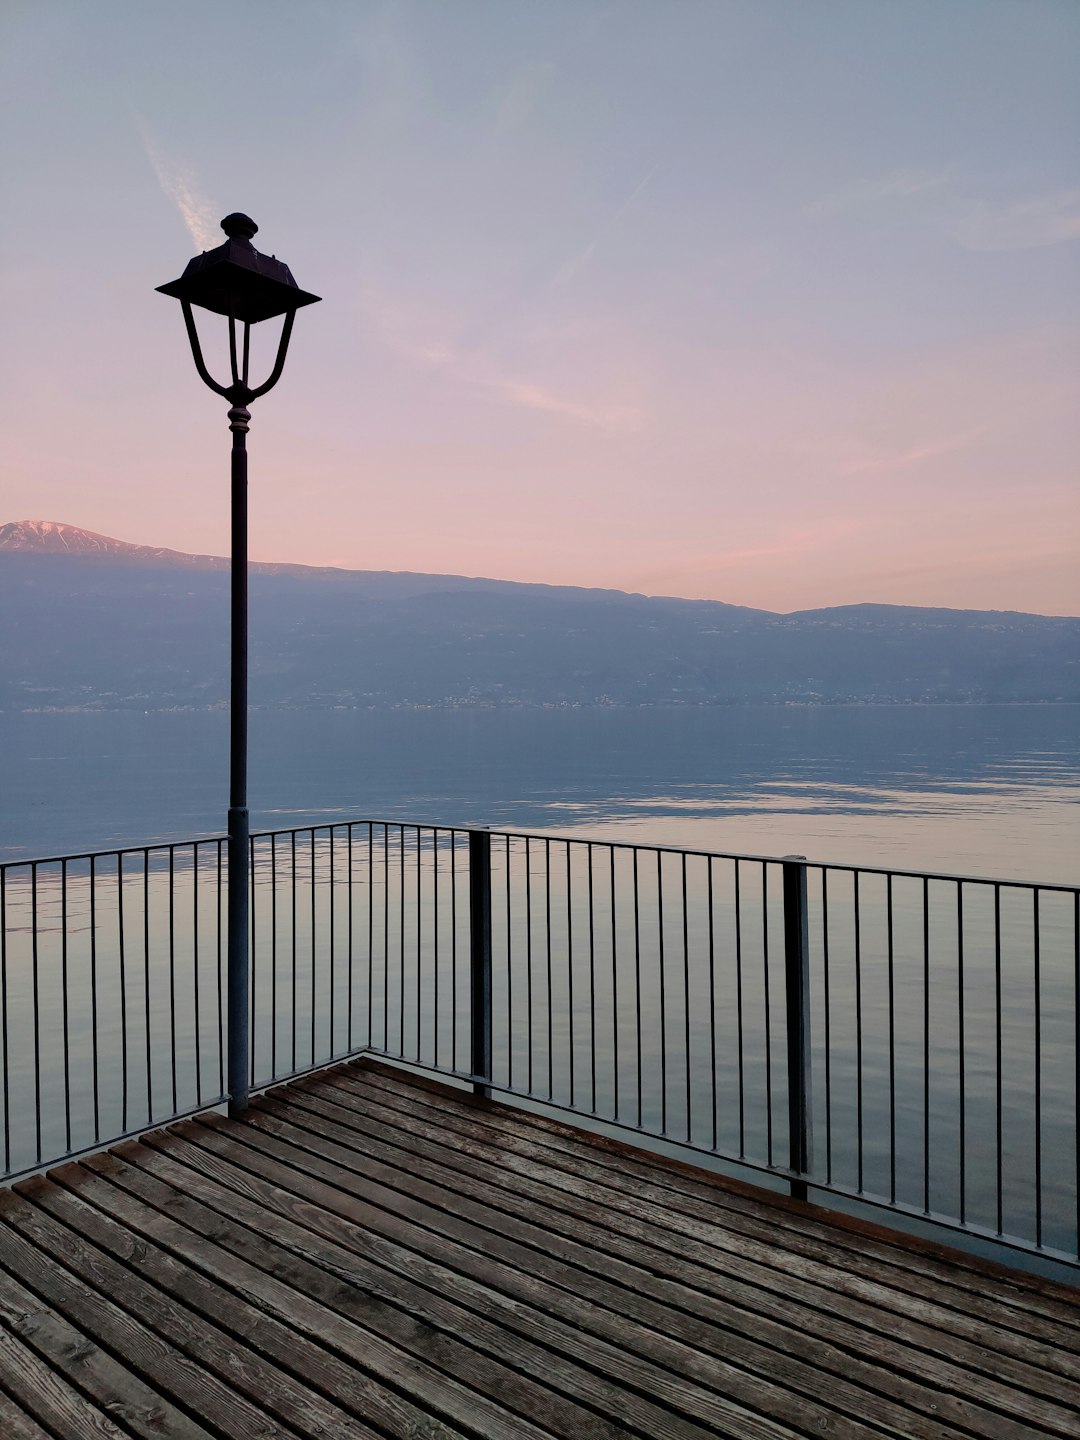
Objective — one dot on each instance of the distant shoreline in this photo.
(493, 707)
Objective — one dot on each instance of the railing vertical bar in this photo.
(146, 984)
(998, 1128)
(860, 1157)
(94, 1041)
(121, 959)
(529, 956)
(663, 991)
(686, 998)
(510, 1046)
(926, 1044)
(419, 933)
(352, 961)
(5, 1099)
(406, 909)
(614, 995)
(961, 1045)
(435, 935)
(550, 1003)
(1076, 1053)
(196, 954)
(386, 936)
(1037, 976)
(172, 977)
(712, 1000)
(66, 1002)
(370, 928)
(273, 958)
(294, 979)
(591, 898)
(314, 997)
(739, 1009)
(220, 979)
(331, 898)
(453, 952)
(827, 1002)
(637, 982)
(253, 969)
(37, 1007)
(768, 1010)
(890, 962)
(570, 974)
(401, 940)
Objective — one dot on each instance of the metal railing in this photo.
(904, 1039)
(111, 1017)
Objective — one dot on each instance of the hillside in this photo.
(94, 623)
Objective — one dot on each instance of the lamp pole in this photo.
(238, 282)
(239, 847)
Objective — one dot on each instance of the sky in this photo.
(775, 302)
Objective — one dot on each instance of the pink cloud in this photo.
(410, 334)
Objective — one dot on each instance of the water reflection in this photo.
(979, 790)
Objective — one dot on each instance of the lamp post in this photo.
(236, 281)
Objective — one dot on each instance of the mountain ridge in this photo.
(96, 624)
(51, 537)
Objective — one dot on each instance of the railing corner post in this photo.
(480, 958)
(797, 994)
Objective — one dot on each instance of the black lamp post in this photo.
(236, 281)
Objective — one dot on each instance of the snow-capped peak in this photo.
(49, 535)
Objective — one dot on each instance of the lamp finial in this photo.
(239, 227)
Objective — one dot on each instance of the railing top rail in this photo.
(114, 852)
(615, 844)
(188, 843)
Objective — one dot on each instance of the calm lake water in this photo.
(988, 790)
(628, 982)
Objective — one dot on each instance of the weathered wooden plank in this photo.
(637, 1303)
(216, 1351)
(16, 1424)
(145, 1352)
(85, 1367)
(929, 1352)
(327, 1158)
(789, 1219)
(292, 1348)
(300, 1222)
(839, 1391)
(583, 1316)
(319, 1373)
(44, 1393)
(1005, 1302)
(281, 1193)
(429, 1309)
(629, 1163)
(511, 1163)
(372, 1255)
(192, 1231)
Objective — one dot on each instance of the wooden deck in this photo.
(371, 1255)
